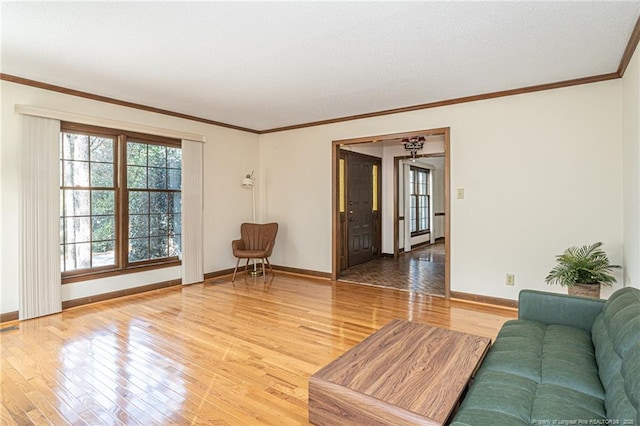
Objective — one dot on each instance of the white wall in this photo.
(373, 151)
(438, 199)
(541, 172)
(631, 166)
(229, 155)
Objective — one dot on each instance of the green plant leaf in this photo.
(588, 264)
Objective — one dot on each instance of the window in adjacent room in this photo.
(120, 201)
(419, 201)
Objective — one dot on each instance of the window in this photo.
(419, 201)
(153, 187)
(120, 201)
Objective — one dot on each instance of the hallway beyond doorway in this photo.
(420, 271)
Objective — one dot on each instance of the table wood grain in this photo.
(405, 373)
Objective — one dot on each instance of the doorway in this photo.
(391, 147)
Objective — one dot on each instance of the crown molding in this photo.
(473, 98)
(87, 95)
(631, 47)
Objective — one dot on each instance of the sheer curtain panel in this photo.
(39, 245)
(192, 205)
(407, 208)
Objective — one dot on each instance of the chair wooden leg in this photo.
(235, 270)
(246, 267)
(264, 275)
(269, 265)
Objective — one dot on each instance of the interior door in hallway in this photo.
(360, 218)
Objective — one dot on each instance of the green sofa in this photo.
(565, 360)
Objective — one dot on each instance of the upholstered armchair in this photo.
(256, 242)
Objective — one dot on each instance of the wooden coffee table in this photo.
(403, 374)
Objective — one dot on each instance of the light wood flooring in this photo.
(420, 270)
(211, 353)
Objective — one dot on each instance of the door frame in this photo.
(335, 213)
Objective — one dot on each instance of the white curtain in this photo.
(39, 245)
(407, 209)
(432, 225)
(192, 206)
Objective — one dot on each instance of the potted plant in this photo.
(583, 270)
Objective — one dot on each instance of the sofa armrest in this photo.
(560, 309)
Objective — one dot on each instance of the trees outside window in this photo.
(120, 201)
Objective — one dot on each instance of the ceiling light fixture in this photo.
(413, 145)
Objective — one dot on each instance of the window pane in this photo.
(101, 149)
(77, 230)
(76, 202)
(158, 225)
(174, 179)
(137, 154)
(102, 174)
(176, 205)
(136, 177)
(138, 202)
(157, 156)
(77, 256)
(157, 178)
(175, 247)
(75, 146)
(62, 267)
(159, 202)
(138, 226)
(176, 224)
(174, 157)
(103, 253)
(103, 228)
(158, 247)
(138, 249)
(102, 202)
(76, 173)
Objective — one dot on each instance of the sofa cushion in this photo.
(616, 337)
(501, 393)
(631, 373)
(568, 360)
(554, 402)
(552, 354)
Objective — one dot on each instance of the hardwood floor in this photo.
(420, 270)
(211, 353)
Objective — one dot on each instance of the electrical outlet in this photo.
(511, 279)
(460, 193)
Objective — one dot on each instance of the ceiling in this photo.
(266, 65)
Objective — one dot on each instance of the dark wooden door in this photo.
(360, 220)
